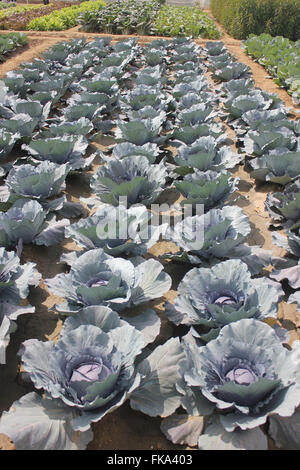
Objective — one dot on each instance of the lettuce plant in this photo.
(15, 280)
(27, 222)
(214, 297)
(132, 177)
(96, 278)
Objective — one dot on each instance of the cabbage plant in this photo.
(92, 370)
(240, 86)
(96, 278)
(20, 125)
(27, 222)
(197, 85)
(127, 149)
(140, 133)
(266, 119)
(196, 115)
(117, 230)
(132, 177)
(232, 72)
(280, 167)
(150, 76)
(205, 154)
(214, 297)
(192, 98)
(209, 188)
(215, 48)
(285, 206)
(7, 141)
(189, 134)
(32, 108)
(61, 150)
(82, 127)
(76, 110)
(260, 143)
(254, 100)
(142, 95)
(217, 235)
(15, 280)
(40, 182)
(245, 375)
(289, 266)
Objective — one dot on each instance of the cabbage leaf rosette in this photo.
(213, 298)
(242, 377)
(96, 278)
(92, 370)
(214, 236)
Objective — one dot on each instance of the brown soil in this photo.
(125, 428)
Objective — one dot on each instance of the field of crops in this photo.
(178, 317)
(281, 58)
(149, 232)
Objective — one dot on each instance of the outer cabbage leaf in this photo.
(37, 423)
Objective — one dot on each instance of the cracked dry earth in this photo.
(125, 429)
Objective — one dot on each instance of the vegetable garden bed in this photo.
(18, 18)
(123, 428)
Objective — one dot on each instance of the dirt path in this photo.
(125, 428)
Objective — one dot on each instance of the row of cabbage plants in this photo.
(231, 372)
(64, 18)
(149, 17)
(10, 42)
(280, 57)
